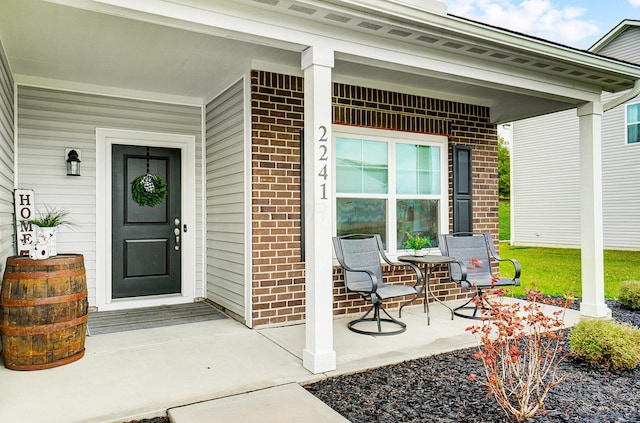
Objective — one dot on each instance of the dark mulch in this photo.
(438, 389)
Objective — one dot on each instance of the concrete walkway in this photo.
(251, 375)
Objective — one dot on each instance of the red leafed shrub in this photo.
(521, 347)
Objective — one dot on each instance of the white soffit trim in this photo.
(219, 18)
(276, 68)
(35, 81)
(433, 6)
(393, 21)
(469, 30)
(344, 24)
(404, 89)
(373, 83)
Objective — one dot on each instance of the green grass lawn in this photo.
(556, 271)
(504, 218)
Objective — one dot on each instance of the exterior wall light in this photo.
(73, 162)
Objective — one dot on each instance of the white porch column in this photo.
(593, 304)
(318, 355)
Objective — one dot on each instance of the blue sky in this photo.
(576, 23)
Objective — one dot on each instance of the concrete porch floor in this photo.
(144, 373)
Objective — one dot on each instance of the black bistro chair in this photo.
(472, 270)
(359, 255)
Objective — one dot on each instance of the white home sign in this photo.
(23, 202)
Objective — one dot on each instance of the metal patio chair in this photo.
(359, 255)
(472, 270)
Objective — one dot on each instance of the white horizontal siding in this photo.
(49, 121)
(225, 165)
(624, 46)
(620, 175)
(546, 180)
(542, 204)
(7, 233)
(620, 170)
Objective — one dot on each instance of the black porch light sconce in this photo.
(73, 162)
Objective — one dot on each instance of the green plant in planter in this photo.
(417, 242)
(52, 217)
(46, 233)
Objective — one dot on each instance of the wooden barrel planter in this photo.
(43, 311)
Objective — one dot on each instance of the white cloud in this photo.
(634, 3)
(542, 18)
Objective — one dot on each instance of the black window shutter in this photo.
(462, 189)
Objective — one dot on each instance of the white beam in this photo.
(281, 31)
(318, 355)
(593, 303)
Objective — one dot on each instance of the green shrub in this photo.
(629, 294)
(606, 342)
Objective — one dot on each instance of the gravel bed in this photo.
(438, 389)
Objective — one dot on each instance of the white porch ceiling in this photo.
(113, 47)
(45, 40)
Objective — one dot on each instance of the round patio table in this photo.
(428, 262)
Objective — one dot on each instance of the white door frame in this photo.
(105, 138)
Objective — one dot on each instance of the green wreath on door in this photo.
(149, 190)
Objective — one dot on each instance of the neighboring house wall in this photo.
(545, 181)
(545, 184)
(625, 46)
(225, 191)
(277, 118)
(7, 232)
(52, 120)
(620, 170)
(620, 175)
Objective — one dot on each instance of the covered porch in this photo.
(142, 373)
(71, 69)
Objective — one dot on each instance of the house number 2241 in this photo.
(323, 159)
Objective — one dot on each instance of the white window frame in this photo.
(391, 138)
(627, 124)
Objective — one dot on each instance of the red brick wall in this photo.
(277, 118)
(278, 273)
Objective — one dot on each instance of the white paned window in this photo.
(633, 123)
(390, 183)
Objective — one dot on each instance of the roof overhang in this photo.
(188, 50)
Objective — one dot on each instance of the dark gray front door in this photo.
(146, 240)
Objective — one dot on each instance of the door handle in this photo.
(176, 233)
